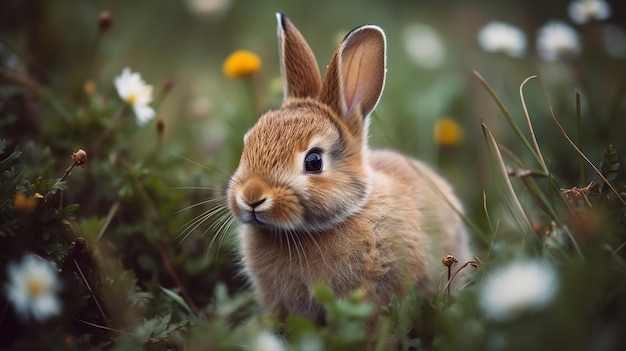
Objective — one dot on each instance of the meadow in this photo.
(121, 122)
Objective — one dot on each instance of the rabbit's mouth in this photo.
(253, 217)
(260, 219)
(256, 218)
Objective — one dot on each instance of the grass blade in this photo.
(509, 118)
(514, 205)
(542, 163)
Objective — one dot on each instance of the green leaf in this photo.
(323, 294)
(610, 165)
(12, 157)
(177, 298)
(157, 328)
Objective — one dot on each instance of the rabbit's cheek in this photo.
(286, 210)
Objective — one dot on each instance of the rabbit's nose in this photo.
(256, 204)
(253, 194)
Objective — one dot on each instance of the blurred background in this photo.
(433, 50)
(146, 186)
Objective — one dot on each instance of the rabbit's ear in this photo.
(355, 77)
(299, 71)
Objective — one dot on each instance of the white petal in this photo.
(31, 268)
(501, 37)
(266, 341)
(424, 45)
(144, 113)
(557, 40)
(45, 307)
(518, 287)
(143, 95)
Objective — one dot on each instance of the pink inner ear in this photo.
(363, 71)
(352, 75)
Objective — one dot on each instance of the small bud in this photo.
(449, 260)
(160, 126)
(89, 88)
(79, 157)
(79, 245)
(168, 85)
(105, 19)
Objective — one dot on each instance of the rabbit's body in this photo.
(317, 206)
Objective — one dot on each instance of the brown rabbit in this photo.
(316, 205)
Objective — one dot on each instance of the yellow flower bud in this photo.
(241, 64)
(24, 204)
(448, 132)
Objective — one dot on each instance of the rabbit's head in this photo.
(304, 166)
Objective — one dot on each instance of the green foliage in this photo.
(346, 326)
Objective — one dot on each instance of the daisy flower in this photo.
(498, 37)
(518, 287)
(132, 89)
(557, 40)
(583, 11)
(32, 288)
(424, 46)
(266, 341)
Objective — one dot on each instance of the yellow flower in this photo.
(448, 132)
(241, 64)
(25, 204)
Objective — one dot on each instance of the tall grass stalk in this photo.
(507, 192)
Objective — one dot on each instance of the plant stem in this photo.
(580, 138)
(179, 284)
(91, 293)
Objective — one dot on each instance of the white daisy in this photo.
(267, 341)
(557, 40)
(32, 288)
(424, 46)
(583, 11)
(518, 287)
(209, 7)
(500, 37)
(132, 89)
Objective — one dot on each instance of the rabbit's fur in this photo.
(370, 220)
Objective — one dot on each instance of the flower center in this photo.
(132, 98)
(35, 287)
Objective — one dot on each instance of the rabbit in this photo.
(316, 205)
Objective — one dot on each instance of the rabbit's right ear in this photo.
(298, 68)
(355, 76)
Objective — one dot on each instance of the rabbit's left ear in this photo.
(298, 67)
(355, 77)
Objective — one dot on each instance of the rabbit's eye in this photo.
(313, 161)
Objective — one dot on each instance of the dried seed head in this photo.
(79, 157)
(79, 245)
(449, 260)
(105, 19)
